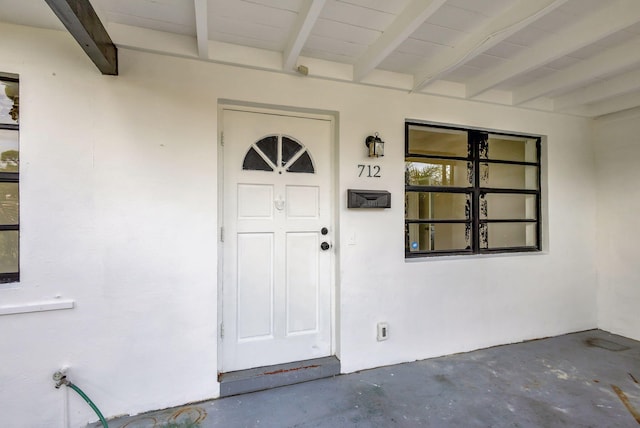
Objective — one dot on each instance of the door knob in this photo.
(325, 246)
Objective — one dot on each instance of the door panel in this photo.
(302, 282)
(255, 201)
(276, 292)
(255, 285)
(302, 202)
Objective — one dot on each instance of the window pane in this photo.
(269, 147)
(506, 176)
(505, 206)
(437, 142)
(289, 149)
(502, 147)
(438, 172)
(8, 251)
(505, 235)
(9, 203)
(438, 237)
(437, 206)
(9, 102)
(302, 164)
(9, 156)
(254, 162)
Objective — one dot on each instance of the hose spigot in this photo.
(60, 378)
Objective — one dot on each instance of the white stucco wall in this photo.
(617, 151)
(119, 213)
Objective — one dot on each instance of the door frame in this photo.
(332, 117)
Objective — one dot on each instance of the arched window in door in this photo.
(278, 153)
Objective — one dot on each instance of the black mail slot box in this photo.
(368, 199)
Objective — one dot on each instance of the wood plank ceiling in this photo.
(580, 57)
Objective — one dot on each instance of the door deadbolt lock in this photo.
(325, 246)
(324, 230)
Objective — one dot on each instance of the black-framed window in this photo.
(470, 191)
(9, 179)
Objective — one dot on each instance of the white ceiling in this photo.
(580, 57)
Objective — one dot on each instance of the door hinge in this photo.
(222, 234)
(221, 331)
(222, 139)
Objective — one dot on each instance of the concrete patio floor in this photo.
(586, 379)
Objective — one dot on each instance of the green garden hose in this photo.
(89, 402)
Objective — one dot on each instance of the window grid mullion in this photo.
(438, 189)
(487, 190)
(508, 220)
(439, 157)
(538, 197)
(508, 162)
(474, 149)
(439, 220)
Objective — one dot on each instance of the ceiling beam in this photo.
(620, 85)
(412, 17)
(617, 15)
(622, 57)
(202, 28)
(79, 17)
(307, 18)
(624, 102)
(101, 10)
(490, 34)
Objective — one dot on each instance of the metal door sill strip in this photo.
(261, 378)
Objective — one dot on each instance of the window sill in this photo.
(37, 307)
(450, 257)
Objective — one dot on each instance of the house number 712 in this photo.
(369, 171)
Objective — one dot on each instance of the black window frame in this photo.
(299, 161)
(476, 140)
(11, 177)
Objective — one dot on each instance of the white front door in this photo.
(277, 211)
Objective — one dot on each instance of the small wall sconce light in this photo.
(375, 145)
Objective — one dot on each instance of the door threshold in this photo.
(261, 378)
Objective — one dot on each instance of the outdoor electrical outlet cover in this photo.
(383, 331)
